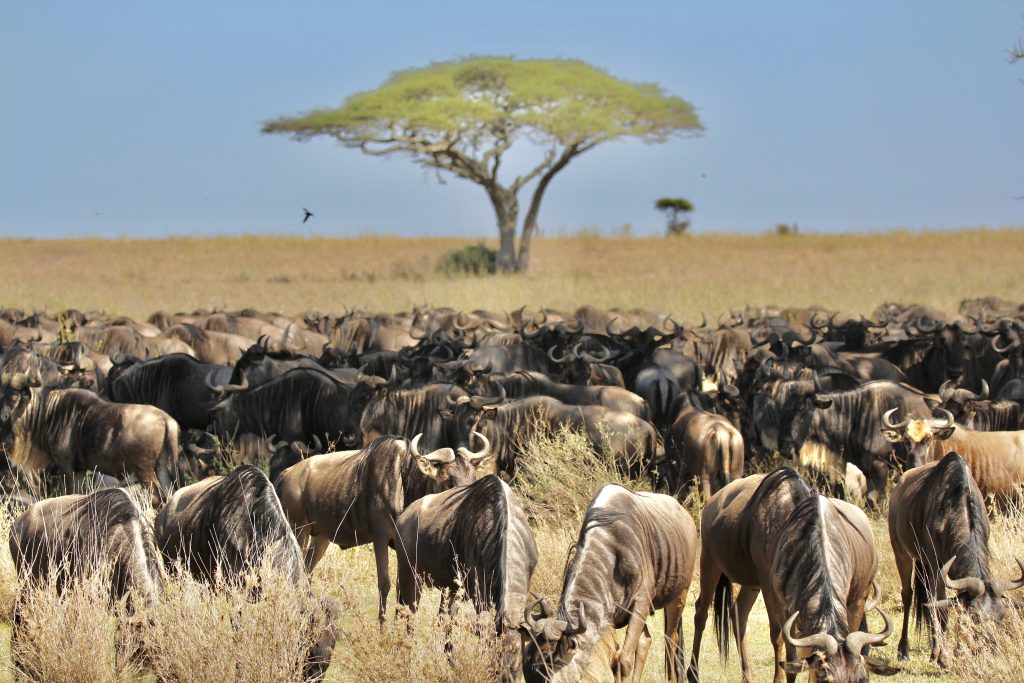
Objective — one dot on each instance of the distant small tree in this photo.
(784, 229)
(676, 208)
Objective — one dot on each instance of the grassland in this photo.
(684, 276)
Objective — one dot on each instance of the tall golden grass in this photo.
(189, 633)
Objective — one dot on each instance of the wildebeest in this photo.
(233, 527)
(68, 538)
(408, 412)
(523, 384)
(623, 439)
(296, 406)
(475, 538)
(836, 428)
(939, 528)
(814, 560)
(76, 430)
(176, 384)
(975, 411)
(635, 554)
(704, 445)
(354, 498)
(996, 459)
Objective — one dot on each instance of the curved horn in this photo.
(317, 446)
(946, 420)
(1000, 586)
(608, 327)
(591, 358)
(476, 456)
(984, 392)
(414, 445)
(564, 359)
(225, 388)
(971, 584)
(858, 640)
(947, 390)
(581, 623)
(818, 641)
(1006, 349)
(888, 423)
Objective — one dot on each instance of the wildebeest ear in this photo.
(892, 435)
(426, 467)
(944, 433)
(932, 403)
(446, 414)
(793, 667)
(820, 402)
(880, 668)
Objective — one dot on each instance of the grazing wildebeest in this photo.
(296, 406)
(475, 538)
(68, 538)
(635, 554)
(938, 528)
(354, 498)
(836, 428)
(233, 527)
(814, 560)
(175, 384)
(996, 459)
(76, 430)
(704, 445)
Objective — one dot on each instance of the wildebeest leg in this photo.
(939, 618)
(674, 639)
(643, 646)
(380, 553)
(905, 566)
(710, 573)
(624, 660)
(775, 634)
(315, 551)
(744, 603)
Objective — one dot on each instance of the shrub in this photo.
(784, 229)
(476, 259)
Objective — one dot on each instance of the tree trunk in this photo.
(530, 224)
(506, 210)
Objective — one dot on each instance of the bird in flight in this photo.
(309, 214)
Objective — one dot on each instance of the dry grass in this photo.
(682, 276)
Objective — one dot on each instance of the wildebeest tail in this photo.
(921, 596)
(167, 470)
(723, 613)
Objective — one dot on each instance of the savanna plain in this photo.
(76, 638)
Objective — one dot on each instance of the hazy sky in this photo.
(143, 119)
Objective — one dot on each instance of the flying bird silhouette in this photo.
(309, 214)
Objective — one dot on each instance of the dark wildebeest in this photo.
(296, 406)
(408, 412)
(258, 365)
(623, 439)
(996, 459)
(635, 554)
(473, 538)
(76, 430)
(232, 527)
(354, 498)
(937, 519)
(976, 412)
(524, 384)
(68, 538)
(704, 445)
(838, 428)
(175, 384)
(814, 560)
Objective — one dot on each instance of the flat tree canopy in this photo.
(461, 116)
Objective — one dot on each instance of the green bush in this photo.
(476, 259)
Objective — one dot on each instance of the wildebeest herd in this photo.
(262, 439)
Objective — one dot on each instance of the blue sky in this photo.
(142, 119)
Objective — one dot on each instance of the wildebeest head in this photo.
(828, 659)
(14, 399)
(962, 403)
(912, 438)
(551, 643)
(318, 658)
(447, 470)
(983, 600)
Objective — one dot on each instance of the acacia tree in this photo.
(463, 116)
(675, 209)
